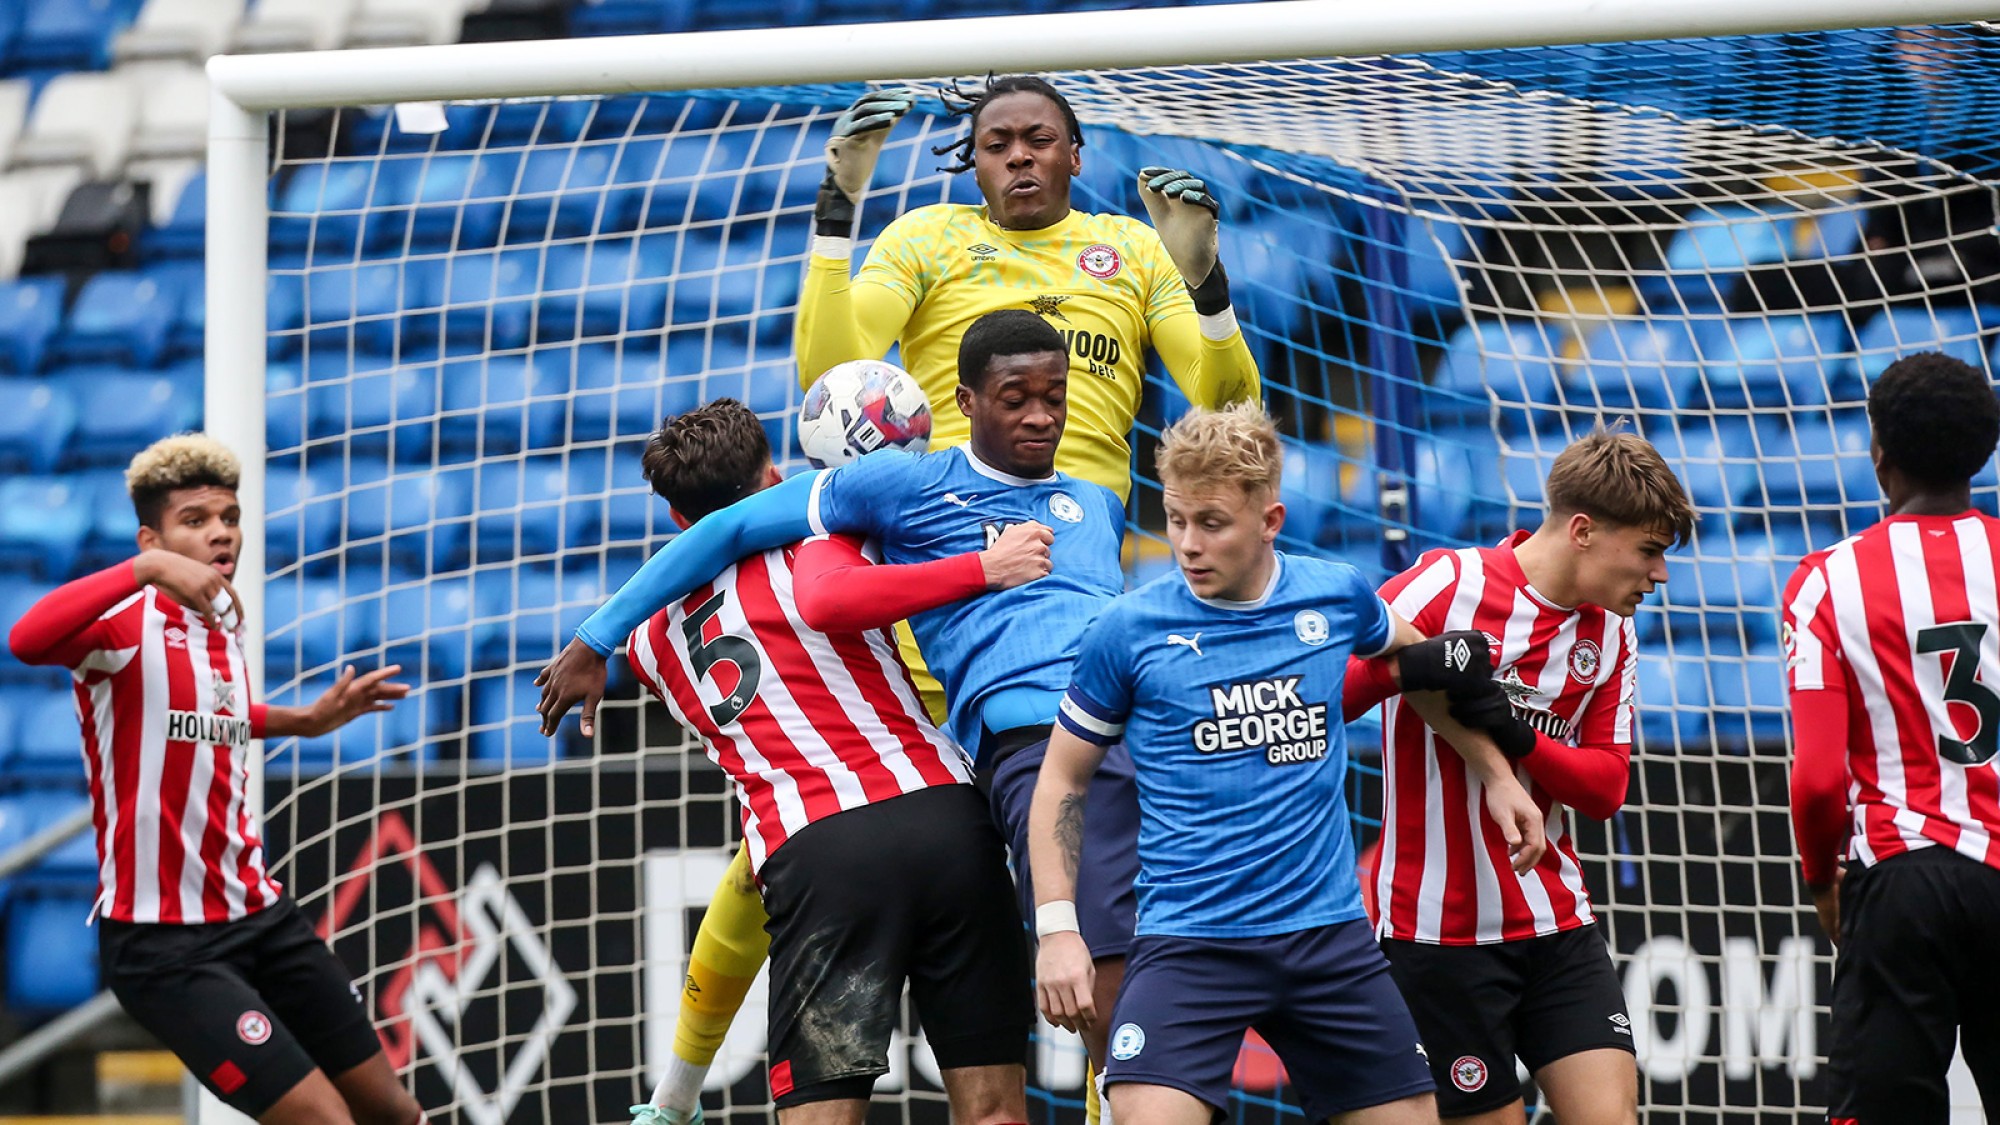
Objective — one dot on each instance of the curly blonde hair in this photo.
(192, 460)
(1237, 445)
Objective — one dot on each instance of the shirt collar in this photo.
(991, 473)
(1270, 587)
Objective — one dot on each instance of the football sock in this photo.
(728, 950)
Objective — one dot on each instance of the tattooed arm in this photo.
(1063, 975)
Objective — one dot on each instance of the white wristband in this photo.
(828, 246)
(1057, 917)
(1219, 326)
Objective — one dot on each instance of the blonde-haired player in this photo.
(1114, 288)
(196, 940)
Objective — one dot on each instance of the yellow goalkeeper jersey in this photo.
(1103, 281)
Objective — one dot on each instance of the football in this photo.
(859, 407)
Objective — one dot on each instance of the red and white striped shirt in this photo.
(1444, 875)
(1904, 619)
(166, 710)
(806, 723)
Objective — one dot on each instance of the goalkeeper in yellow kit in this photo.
(1112, 286)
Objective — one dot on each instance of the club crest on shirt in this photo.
(1099, 261)
(1065, 508)
(1310, 625)
(1585, 659)
(1468, 1074)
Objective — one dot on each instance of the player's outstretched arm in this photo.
(840, 591)
(1206, 354)
(351, 696)
(839, 320)
(1063, 972)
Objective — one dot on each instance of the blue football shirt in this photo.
(1231, 711)
(919, 508)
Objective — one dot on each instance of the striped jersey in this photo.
(165, 705)
(1904, 616)
(1444, 876)
(807, 724)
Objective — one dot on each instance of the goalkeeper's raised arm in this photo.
(1113, 286)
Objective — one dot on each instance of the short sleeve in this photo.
(860, 497)
(1421, 593)
(1113, 507)
(1810, 634)
(1100, 690)
(896, 261)
(1373, 626)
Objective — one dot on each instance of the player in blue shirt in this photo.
(1224, 682)
(1004, 657)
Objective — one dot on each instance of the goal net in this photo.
(1448, 266)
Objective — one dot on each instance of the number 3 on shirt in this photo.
(724, 649)
(1963, 686)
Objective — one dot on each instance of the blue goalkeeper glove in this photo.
(1187, 217)
(851, 153)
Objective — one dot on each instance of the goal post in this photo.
(435, 349)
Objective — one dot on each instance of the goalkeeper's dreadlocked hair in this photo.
(968, 103)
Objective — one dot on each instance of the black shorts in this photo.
(1914, 972)
(916, 888)
(1479, 1007)
(251, 1006)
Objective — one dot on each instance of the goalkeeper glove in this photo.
(1186, 216)
(1457, 662)
(851, 153)
(1488, 709)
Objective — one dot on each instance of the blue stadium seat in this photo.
(633, 513)
(1779, 361)
(284, 308)
(1524, 467)
(71, 34)
(43, 524)
(505, 728)
(363, 306)
(119, 316)
(31, 311)
(505, 403)
(18, 594)
(123, 412)
(526, 614)
(51, 966)
(618, 17)
(1488, 362)
(11, 708)
(422, 517)
(1315, 493)
(185, 232)
(1900, 331)
(1460, 487)
(521, 508)
(490, 297)
(47, 748)
(304, 509)
(1821, 460)
(311, 624)
(114, 525)
(427, 626)
(1673, 700)
(73, 864)
(1650, 364)
(1718, 245)
(1725, 590)
(383, 407)
(185, 283)
(1720, 458)
(37, 417)
(398, 736)
(1747, 697)
(607, 287)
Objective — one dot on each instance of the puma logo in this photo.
(952, 498)
(1193, 642)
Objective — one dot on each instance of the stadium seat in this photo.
(15, 95)
(1898, 332)
(82, 119)
(427, 626)
(188, 30)
(490, 297)
(114, 525)
(422, 516)
(304, 508)
(505, 728)
(31, 310)
(522, 507)
(1491, 362)
(399, 736)
(37, 417)
(416, 204)
(632, 512)
(1820, 460)
(1460, 487)
(119, 316)
(1719, 458)
(311, 625)
(382, 407)
(50, 966)
(173, 113)
(1747, 698)
(1779, 361)
(1648, 364)
(1716, 247)
(18, 594)
(506, 403)
(46, 748)
(185, 231)
(122, 412)
(1725, 589)
(362, 306)
(396, 23)
(1673, 698)
(70, 33)
(294, 25)
(608, 287)
(43, 524)
(526, 614)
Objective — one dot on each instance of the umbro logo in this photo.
(981, 252)
(1621, 1023)
(1458, 656)
(953, 498)
(1193, 642)
(176, 637)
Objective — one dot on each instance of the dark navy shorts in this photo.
(1106, 903)
(1322, 998)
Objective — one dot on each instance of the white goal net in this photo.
(1447, 265)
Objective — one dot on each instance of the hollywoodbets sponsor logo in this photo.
(197, 726)
(1267, 715)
